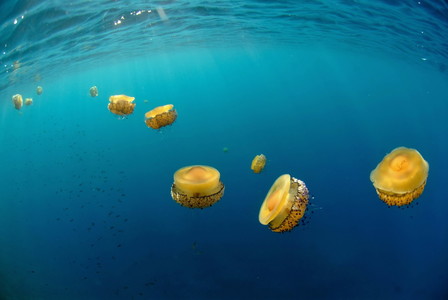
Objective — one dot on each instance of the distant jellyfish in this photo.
(28, 101)
(400, 177)
(161, 116)
(16, 65)
(197, 186)
(17, 100)
(93, 91)
(39, 90)
(225, 149)
(285, 204)
(121, 105)
(258, 163)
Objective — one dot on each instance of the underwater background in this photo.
(324, 89)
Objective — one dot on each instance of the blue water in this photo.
(323, 88)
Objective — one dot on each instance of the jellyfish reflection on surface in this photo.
(285, 204)
(17, 100)
(121, 105)
(161, 116)
(400, 177)
(197, 186)
(258, 163)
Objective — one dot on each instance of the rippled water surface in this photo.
(45, 37)
(324, 89)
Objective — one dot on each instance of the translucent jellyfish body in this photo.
(197, 186)
(285, 204)
(121, 105)
(400, 177)
(161, 116)
(28, 101)
(17, 100)
(258, 163)
(93, 91)
(39, 90)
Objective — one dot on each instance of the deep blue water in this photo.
(323, 88)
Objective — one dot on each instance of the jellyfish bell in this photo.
(285, 204)
(400, 177)
(121, 105)
(161, 116)
(28, 101)
(93, 91)
(258, 163)
(39, 90)
(197, 186)
(17, 100)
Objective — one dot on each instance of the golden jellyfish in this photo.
(28, 101)
(400, 177)
(17, 100)
(121, 105)
(161, 116)
(285, 204)
(258, 163)
(39, 90)
(197, 186)
(93, 91)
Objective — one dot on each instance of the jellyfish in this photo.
(39, 90)
(258, 163)
(17, 100)
(197, 186)
(93, 91)
(161, 116)
(285, 204)
(400, 177)
(16, 65)
(28, 101)
(121, 105)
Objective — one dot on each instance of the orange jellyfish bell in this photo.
(258, 163)
(285, 204)
(400, 177)
(161, 116)
(17, 100)
(197, 186)
(121, 105)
